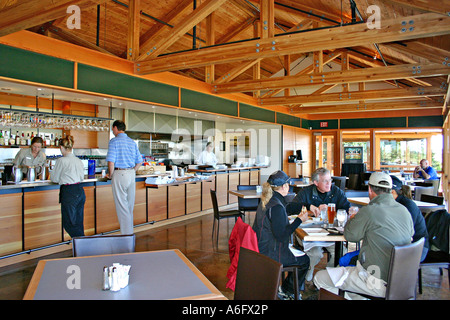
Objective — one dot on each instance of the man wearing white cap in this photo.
(381, 225)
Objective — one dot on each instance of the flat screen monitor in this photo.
(353, 155)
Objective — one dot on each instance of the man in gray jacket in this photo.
(381, 225)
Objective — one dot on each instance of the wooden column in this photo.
(210, 40)
(134, 28)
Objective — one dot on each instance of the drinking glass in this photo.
(341, 217)
(331, 214)
(324, 215)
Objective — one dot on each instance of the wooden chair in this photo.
(99, 245)
(402, 276)
(219, 215)
(257, 276)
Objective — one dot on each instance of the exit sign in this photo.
(324, 124)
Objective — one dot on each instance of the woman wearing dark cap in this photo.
(273, 229)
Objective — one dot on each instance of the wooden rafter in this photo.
(425, 25)
(416, 92)
(205, 9)
(441, 6)
(30, 13)
(370, 106)
(337, 77)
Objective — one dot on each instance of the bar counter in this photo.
(30, 218)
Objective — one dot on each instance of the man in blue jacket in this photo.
(314, 197)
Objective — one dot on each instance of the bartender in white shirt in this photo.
(207, 157)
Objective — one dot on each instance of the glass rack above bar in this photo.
(46, 120)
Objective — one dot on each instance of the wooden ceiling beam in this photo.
(371, 106)
(134, 28)
(425, 25)
(158, 30)
(30, 13)
(422, 50)
(204, 10)
(416, 92)
(441, 6)
(236, 71)
(337, 77)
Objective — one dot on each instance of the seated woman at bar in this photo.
(32, 156)
(273, 229)
(68, 173)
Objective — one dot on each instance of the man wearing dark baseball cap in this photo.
(420, 227)
(382, 224)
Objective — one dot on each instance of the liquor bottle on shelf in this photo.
(2, 139)
(23, 141)
(12, 141)
(56, 141)
(28, 139)
(17, 141)
(52, 141)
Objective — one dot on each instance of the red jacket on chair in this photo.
(242, 235)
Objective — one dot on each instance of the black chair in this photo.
(99, 245)
(219, 215)
(339, 182)
(247, 205)
(438, 255)
(257, 276)
(402, 276)
(432, 199)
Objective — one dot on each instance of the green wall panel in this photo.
(373, 123)
(288, 120)
(205, 102)
(255, 113)
(113, 83)
(30, 66)
(427, 121)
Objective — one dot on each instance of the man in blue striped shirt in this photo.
(123, 160)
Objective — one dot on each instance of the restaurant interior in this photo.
(274, 85)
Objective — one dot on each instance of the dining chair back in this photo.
(435, 184)
(402, 276)
(432, 199)
(247, 205)
(222, 214)
(106, 244)
(257, 277)
(403, 269)
(419, 191)
(339, 182)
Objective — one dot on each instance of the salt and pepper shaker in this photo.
(115, 280)
(105, 278)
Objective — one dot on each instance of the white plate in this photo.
(316, 231)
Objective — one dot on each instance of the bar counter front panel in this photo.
(30, 218)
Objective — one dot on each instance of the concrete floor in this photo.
(193, 238)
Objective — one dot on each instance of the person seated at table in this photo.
(381, 225)
(273, 229)
(425, 171)
(315, 197)
(420, 227)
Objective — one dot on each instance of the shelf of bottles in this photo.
(19, 127)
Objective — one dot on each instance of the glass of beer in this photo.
(331, 214)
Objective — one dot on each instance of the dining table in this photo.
(423, 206)
(154, 275)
